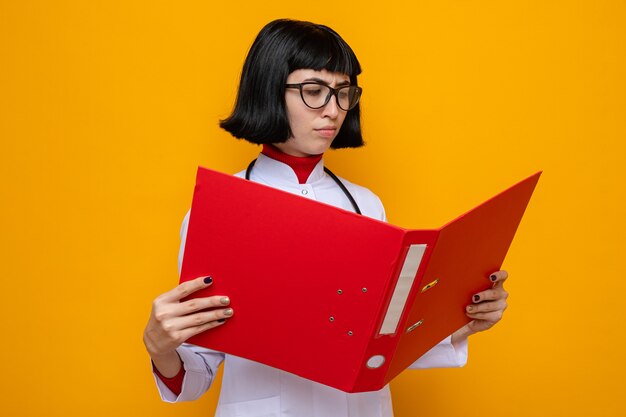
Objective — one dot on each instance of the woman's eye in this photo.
(313, 91)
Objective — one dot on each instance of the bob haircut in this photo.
(283, 46)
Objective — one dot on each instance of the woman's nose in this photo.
(331, 109)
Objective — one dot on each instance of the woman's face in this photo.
(313, 130)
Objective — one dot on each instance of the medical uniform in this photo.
(250, 389)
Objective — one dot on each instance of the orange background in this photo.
(106, 109)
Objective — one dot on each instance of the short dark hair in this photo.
(281, 47)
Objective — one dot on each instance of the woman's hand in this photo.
(486, 309)
(173, 321)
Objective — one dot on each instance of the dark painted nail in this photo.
(476, 298)
(493, 277)
(221, 320)
(208, 280)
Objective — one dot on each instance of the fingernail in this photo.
(221, 320)
(470, 308)
(493, 277)
(228, 312)
(208, 280)
(476, 298)
(224, 301)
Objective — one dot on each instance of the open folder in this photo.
(333, 296)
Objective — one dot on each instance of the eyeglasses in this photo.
(316, 95)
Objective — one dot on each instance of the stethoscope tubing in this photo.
(329, 172)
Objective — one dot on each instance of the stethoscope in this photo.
(333, 176)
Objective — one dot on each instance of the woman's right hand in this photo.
(173, 321)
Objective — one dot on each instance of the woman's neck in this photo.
(301, 165)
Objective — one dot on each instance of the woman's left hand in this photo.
(486, 309)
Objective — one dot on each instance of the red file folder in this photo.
(333, 296)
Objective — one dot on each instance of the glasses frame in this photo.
(333, 92)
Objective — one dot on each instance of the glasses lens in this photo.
(348, 97)
(314, 95)
(317, 96)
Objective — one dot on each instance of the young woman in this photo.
(298, 97)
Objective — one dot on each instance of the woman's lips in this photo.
(327, 132)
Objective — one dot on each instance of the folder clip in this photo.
(414, 326)
(430, 285)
